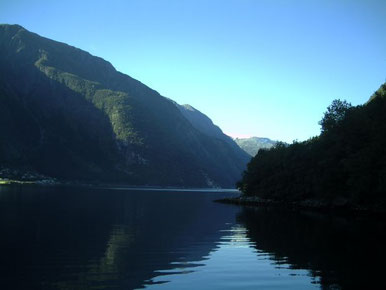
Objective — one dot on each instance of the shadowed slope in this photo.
(69, 114)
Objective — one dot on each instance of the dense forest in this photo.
(345, 164)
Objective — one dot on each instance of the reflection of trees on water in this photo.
(120, 241)
(344, 252)
(90, 239)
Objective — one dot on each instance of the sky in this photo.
(255, 67)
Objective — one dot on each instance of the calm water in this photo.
(82, 238)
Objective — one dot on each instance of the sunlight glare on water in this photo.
(234, 264)
(94, 238)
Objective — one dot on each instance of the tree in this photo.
(335, 113)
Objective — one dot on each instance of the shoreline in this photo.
(27, 182)
(312, 205)
(112, 186)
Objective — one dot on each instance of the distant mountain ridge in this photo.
(252, 145)
(71, 115)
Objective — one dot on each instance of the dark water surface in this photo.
(84, 238)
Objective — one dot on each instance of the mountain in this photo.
(345, 166)
(252, 145)
(205, 125)
(202, 122)
(70, 115)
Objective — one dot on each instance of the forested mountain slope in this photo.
(67, 114)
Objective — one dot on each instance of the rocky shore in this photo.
(337, 205)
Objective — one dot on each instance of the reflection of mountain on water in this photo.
(345, 253)
(74, 238)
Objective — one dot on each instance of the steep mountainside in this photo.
(71, 115)
(252, 145)
(205, 125)
(202, 122)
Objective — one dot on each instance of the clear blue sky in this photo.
(257, 68)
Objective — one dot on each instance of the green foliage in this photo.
(380, 93)
(71, 115)
(334, 115)
(346, 163)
